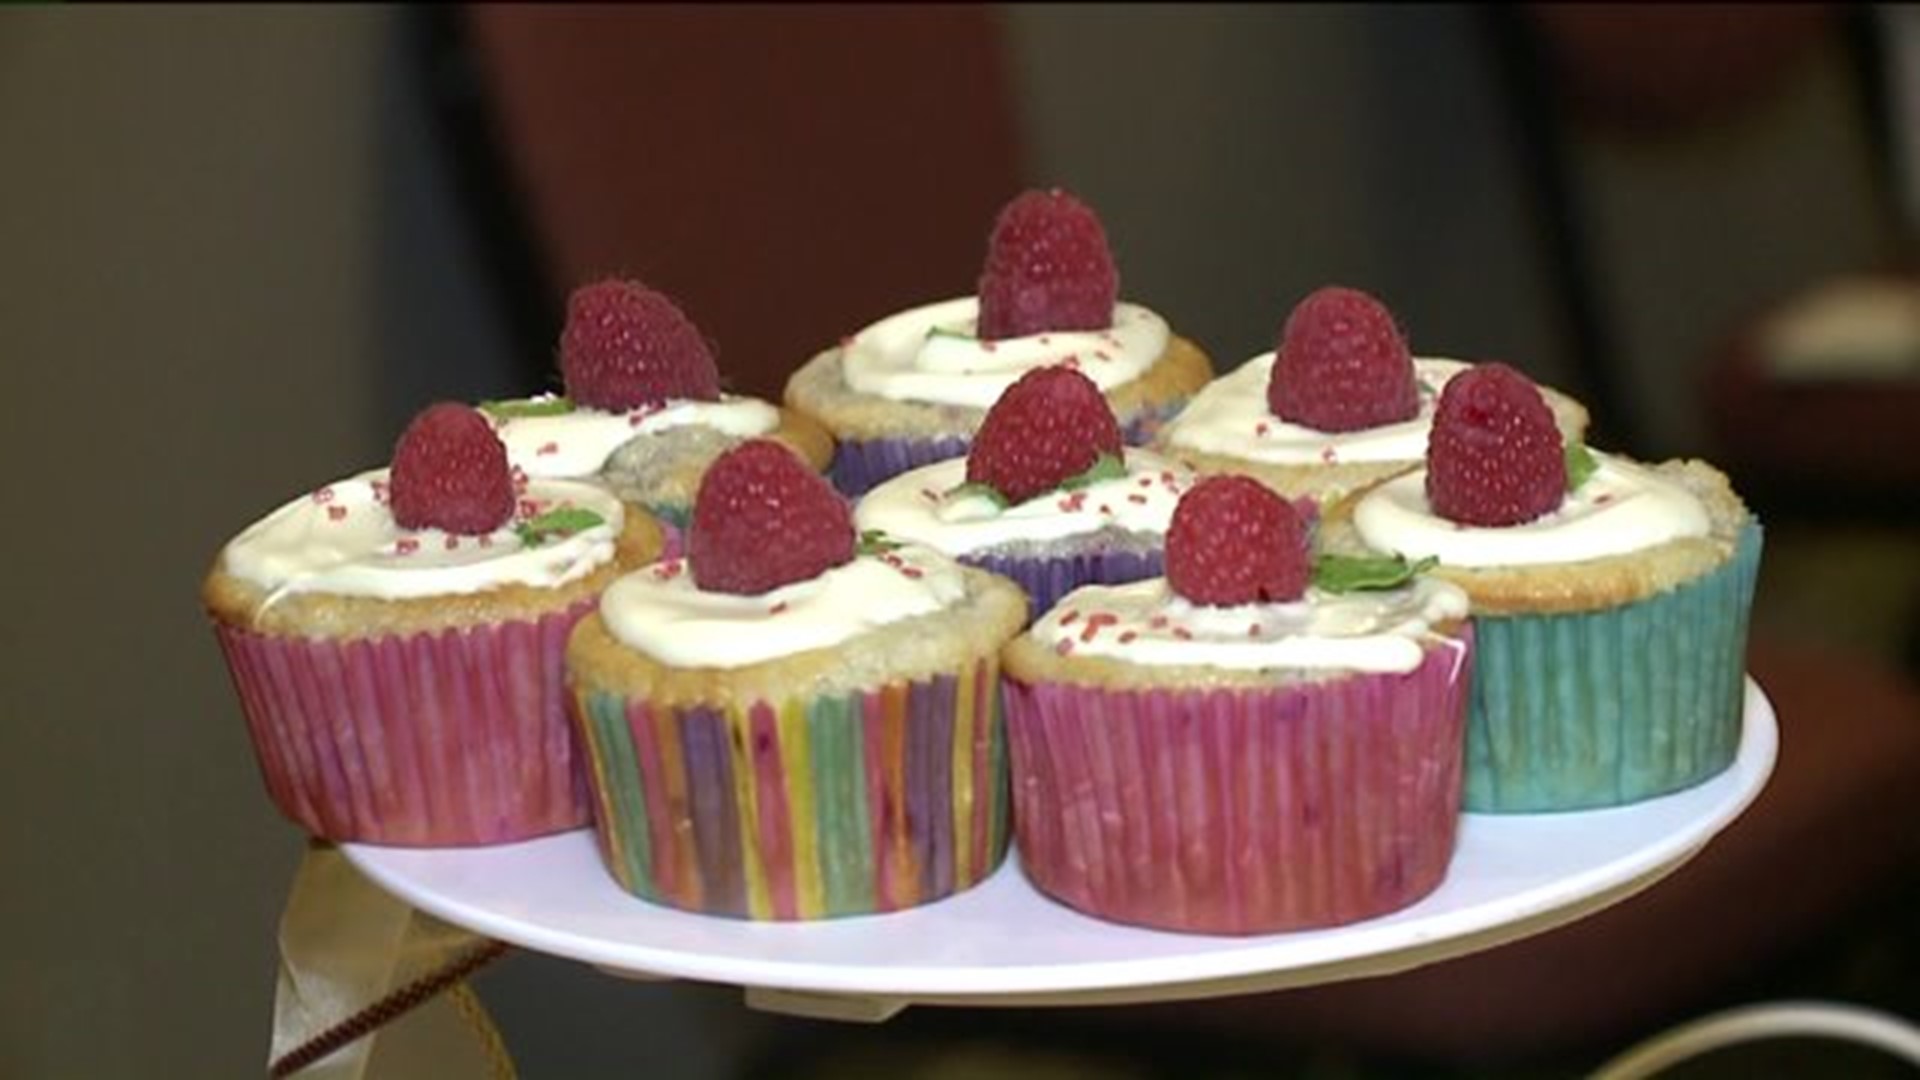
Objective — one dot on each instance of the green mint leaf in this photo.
(512, 408)
(556, 523)
(975, 487)
(941, 331)
(1426, 388)
(1350, 573)
(1105, 467)
(875, 542)
(1581, 465)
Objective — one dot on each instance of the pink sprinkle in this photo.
(930, 495)
(1602, 500)
(519, 479)
(530, 508)
(486, 541)
(406, 545)
(1105, 509)
(1166, 477)
(1182, 633)
(380, 492)
(1158, 622)
(323, 496)
(1137, 497)
(989, 346)
(1329, 455)
(667, 571)
(1254, 630)
(1063, 646)
(548, 448)
(1070, 617)
(777, 608)
(1103, 354)
(1127, 637)
(336, 513)
(453, 543)
(1146, 481)
(1095, 621)
(912, 572)
(1260, 428)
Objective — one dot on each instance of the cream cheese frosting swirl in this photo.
(1623, 507)
(578, 443)
(1146, 622)
(1230, 416)
(921, 506)
(931, 354)
(660, 611)
(342, 539)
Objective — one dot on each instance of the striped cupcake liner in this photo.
(1594, 709)
(805, 808)
(1046, 580)
(1242, 811)
(437, 739)
(860, 465)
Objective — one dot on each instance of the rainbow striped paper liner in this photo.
(1046, 580)
(1242, 811)
(440, 739)
(860, 465)
(804, 808)
(1594, 709)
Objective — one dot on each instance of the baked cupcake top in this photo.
(1340, 387)
(1243, 603)
(449, 519)
(777, 596)
(633, 365)
(1528, 522)
(1047, 465)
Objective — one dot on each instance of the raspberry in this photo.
(450, 472)
(1342, 365)
(1233, 541)
(763, 519)
(1048, 268)
(1494, 456)
(1049, 426)
(626, 346)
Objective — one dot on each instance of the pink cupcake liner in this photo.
(459, 737)
(1242, 811)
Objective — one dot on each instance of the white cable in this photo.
(1775, 1020)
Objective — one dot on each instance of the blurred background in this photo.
(239, 246)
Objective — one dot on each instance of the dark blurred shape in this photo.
(787, 173)
(1656, 70)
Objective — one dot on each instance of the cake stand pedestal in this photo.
(1003, 944)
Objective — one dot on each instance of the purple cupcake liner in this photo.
(1047, 579)
(860, 465)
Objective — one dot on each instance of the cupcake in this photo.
(1610, 599)
(1339, 404)
(1047, 494)
(396, 640)
(642, 410)
(786, 723)
(1257, 742)
(915, 386)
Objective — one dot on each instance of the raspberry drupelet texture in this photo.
(1342, 364)
(1049, 426)
(763, 519)
(1495, 456)
(450, 472)
(1048, 267)
(1233, 541)
(626, 346)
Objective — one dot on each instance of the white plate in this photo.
(1002, 943)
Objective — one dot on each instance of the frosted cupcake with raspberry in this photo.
(1341, 402)
(642, 410)
(1258, 742)
(1048, 494)
(787, 723)
(396, 639)
(1610, 599)
(915, 386)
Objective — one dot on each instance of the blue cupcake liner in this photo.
(1585, 710)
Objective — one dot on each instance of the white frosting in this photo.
(913, 506)
(1145, 622)
(1230, 416)
(578, 443)
(342, 539)
(661, 612)
(1622, 507)
(901, 359)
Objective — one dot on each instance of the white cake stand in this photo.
(1002, 943)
